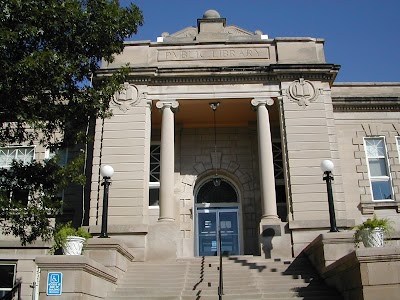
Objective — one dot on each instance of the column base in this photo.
(275, 241)
(270, 217)
(166, 220)
(161, 241)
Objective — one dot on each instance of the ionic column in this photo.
(267, 176)
(167, 165)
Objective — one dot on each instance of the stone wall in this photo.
(310, 137)
(236, 160)
(352, 128)
(122, 142)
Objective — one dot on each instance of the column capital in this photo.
(256, 102)
(167, 104)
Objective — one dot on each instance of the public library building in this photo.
(219, 129)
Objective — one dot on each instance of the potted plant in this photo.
(70, 239)
(372, 232)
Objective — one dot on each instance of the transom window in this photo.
(23, 154)
(378, 168)
(224, 193)
(154, 180)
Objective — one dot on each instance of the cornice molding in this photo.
(343, 104)
(224, 74)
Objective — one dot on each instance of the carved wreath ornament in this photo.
(303, 92)
(128, 96)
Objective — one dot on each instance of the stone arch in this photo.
(244, 184)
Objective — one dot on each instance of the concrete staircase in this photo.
(245, 277)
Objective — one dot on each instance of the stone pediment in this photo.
(211, 28)
(193, 32)
(235, 30)
(185, 33)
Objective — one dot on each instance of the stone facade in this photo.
(310, 116)
(280, 114)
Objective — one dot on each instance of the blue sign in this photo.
(54, 283)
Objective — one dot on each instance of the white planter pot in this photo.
(373, 237)
(73, 245)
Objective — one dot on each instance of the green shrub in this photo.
(65, 230)
(385, 224)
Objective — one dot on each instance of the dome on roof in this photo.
(211, 14)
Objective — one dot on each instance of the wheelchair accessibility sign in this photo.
(54, 284)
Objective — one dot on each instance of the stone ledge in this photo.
(378, 254)
(332, 238)
(369, 206)
(371, 273)
(318, 224)
(120, 229)
(109, 244)
(17, 244)
(327, 248)
(78, 263)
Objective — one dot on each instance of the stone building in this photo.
(279, 115)
(222, 129)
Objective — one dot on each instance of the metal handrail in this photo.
(10, 294)
(221, 279)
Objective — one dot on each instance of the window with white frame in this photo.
(19, 153)
(398, 145)
(378, 168)
(62, 159)
(61, 153)
(24, 155)
(154, 181)
(7, 278)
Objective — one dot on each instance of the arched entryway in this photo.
(217, 209)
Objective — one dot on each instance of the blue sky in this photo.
(361, 36)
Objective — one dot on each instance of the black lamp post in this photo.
(216, 179)
(106, 171)
(327, 167)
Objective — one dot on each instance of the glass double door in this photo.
(212, 220)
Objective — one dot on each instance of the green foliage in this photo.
(49, 54)
(41, 183)
(49, 51)
(385, 224)
(65, 230)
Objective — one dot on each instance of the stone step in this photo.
(233, 281)
(143, 296)
(225, 297)
(156, 291)
(245, 277)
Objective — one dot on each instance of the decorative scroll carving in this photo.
(127, 97)
(171, 104)
(303, 92)
(262, 101)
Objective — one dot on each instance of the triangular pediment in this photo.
(237, 31)
(231, 32)
(211, 28)
(185, 33)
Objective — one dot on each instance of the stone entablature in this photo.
(214, 53)
(366, 96)
(195, 47)
(298, 51)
